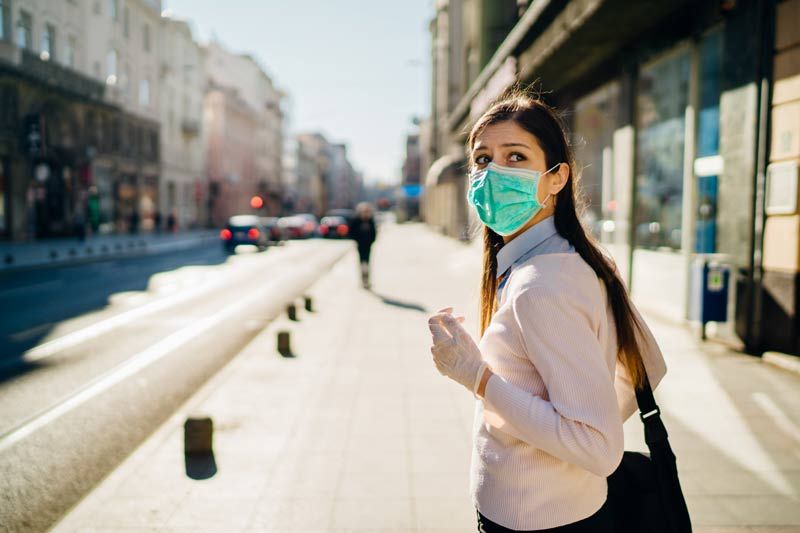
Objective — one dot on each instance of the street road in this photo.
(94, 357)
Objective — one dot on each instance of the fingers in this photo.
(439, 332)
(445, 310)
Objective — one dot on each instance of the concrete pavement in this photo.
(359, 432)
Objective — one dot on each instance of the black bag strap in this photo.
(654, 429)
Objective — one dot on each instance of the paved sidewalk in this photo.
(16, 255)
(359, 432)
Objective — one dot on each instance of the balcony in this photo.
(57, 76)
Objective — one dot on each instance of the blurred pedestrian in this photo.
(172, 222)
(562, 346)
(93, 207)
(157, 221)
(133, 222)
(363, 231)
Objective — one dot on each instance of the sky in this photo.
(357, 71)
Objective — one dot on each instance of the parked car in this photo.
(334, 227)
(348, 214)
(298, 227)
(243, 229)
(312, 224)
(275, 232)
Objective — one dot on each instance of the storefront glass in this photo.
(662, 96)
(593, 139)
(710, 51)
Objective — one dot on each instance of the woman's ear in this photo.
(559, 179)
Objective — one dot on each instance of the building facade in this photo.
(674, 112)
(244, 134)
(313, 170)
(122, 51)
(183, 184)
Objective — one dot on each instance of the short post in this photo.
(284, 344)
(198, 434)
(308, 303)
(291, 312)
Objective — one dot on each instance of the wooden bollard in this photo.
(291, 312)
(308, 303)
(284, 344)
(198, 435)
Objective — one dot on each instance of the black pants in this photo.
(600, 522)
(363, 252)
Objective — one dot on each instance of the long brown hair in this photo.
(542, 121)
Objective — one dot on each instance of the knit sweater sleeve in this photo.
(579, 421)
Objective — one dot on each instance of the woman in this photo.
(362, 230)
(561, 344)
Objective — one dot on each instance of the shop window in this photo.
(661, 102)
(593, 128)
(708, 163)
(710, 91)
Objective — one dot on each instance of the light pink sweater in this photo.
(549, 430)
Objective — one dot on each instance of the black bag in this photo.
(644, 491)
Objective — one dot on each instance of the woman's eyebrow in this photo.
(515, 144)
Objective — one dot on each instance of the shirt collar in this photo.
(523, 243)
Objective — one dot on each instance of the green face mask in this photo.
(505, 197)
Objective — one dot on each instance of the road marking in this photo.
(138, 362)
(95, 330)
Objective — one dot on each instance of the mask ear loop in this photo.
(544, 203)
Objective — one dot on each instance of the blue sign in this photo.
(412, 191)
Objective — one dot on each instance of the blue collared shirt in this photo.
(539, 239)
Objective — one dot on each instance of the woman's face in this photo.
(509, 145)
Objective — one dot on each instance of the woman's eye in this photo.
(516, 157)
(482, 160)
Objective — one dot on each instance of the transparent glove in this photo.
(454, 352)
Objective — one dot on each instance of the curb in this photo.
(88, 253)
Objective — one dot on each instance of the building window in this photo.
(126, 22)
(69, 51)
(24, 30)
(5, 20)
(144, 93)
(113, 9)
(111, 67)
(663, 89)
(146, 37)
(48, 42)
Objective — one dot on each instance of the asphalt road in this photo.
(93, 358)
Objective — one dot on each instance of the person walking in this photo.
(363, 231)
(562, 346)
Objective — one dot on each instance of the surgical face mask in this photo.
(505, 197)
